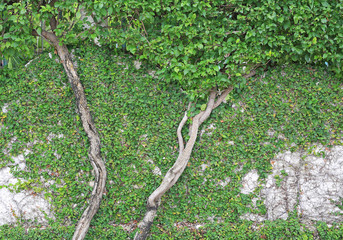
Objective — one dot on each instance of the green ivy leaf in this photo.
(39, 31)
(131, 48)
(323, 20)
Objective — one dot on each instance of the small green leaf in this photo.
(287, 24)
(131, 48)
(307, 58)
(110, 11)
(314, 40)
(228, 97)
(203, 107)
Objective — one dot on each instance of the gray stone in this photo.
(313, 185)
(250, 182)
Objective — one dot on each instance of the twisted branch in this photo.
(179, 129)
(180, 164)
(94, 152)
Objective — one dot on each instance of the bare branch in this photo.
(210, 105)
(174, 172)
(88, 124)
(146, 34)
(252, 73)
(180, 164)
(53, 23)
(49, 36)
(222, 97)
(52, 3)
(179, 134)
(179, 129)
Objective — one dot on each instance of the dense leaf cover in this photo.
(137, 117)
(202, 44)
(193, 45)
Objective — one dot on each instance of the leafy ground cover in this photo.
(137, 116)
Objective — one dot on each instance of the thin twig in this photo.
(222, 97)
(72, 24)
(179, 129)
(146, 37)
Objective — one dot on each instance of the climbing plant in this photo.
(60, 23)
(208, 49)
(136, 117)
(203, 44)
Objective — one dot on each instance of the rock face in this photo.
(311, 184)
(250, 182)
(25, 205)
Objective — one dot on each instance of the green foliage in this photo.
(195, 45)
(330, 233)
(38, 233)
(22, 21)
(279, 179)
(15, 30)
(299, 31)
(137, 117)
(201, 44)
